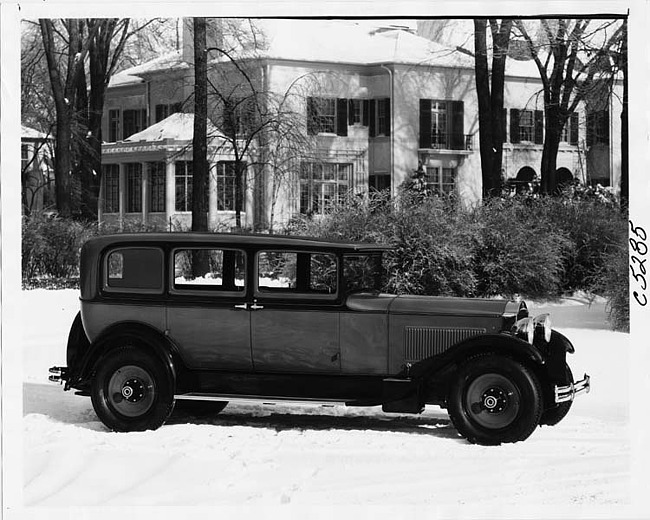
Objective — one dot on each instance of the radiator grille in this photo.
(423, 342)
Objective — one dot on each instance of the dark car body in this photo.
(190, 316)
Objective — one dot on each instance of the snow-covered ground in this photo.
(290, 458)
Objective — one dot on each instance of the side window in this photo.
(296, 273)
(209, 269)
(134, 269)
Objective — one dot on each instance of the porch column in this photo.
(213, 215)
(145, 185)
(170, 189)
(122, 193)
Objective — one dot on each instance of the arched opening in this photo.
(524, 182)
(563, 177)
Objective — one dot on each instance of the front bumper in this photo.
(568, 392)
(59, 374)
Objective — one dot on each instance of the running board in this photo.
(253, 399)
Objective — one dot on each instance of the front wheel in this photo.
(554, 415)
(495, 399)
(132, 390)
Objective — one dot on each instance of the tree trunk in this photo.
(554, 126)
(199, 141)
(482, 76)
(62, 163)
(239, 195)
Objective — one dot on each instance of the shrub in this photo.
(51, 245)
(515, 252)
(612, 281)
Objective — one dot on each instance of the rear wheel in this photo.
(132, 390)
(495, 399)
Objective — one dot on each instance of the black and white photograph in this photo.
(284, 259)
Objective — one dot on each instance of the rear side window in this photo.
(134, 269)
(201, 269)
(298, 273)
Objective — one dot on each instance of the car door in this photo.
(207, 314)
(294, 312)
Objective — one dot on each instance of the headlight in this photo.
(525, 327)
(544, 321)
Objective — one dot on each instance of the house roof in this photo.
(336, 41)
(133, 75)
(178, 126)
(29, 133)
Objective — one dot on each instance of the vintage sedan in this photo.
(223, 317)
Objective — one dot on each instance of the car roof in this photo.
(231, 239)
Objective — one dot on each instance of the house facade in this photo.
(328, 118)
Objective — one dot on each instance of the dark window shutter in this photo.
(311, 116)
(504, 125)
(388, 116)
(457, 125)
(372, 119)
(366, 112)
(573, 129)
(603, 129)
(539, 127)
(145, 122)
(425, 123)
(342, 117)
(514, 125)
(350, 112)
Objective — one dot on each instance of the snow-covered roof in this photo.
(178, 127)
(133, 75)
(346, 42)
(29, 133)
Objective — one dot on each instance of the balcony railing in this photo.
(452, 142)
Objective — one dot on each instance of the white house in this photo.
(372, 105)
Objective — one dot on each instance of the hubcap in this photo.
(131, 391)
(492, 401)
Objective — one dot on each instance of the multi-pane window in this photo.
(111, 176)
(322, 185)
(113, 126)
(133, 179)
(163, 111)
(526, 125)
(183, 174)
(439, 124)
(134, 121)
(322, 115)
(440, 180)
(356, 115)
(157, 189)
(24, 156)
(226, 185)
(383, 116)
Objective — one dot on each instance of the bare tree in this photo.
(572, 58)
(489, 89)
(65, 69)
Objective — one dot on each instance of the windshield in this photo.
(362, 272)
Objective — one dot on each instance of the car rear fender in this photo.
(118, 334)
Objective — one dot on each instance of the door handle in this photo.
(256, 307)
(242, 306)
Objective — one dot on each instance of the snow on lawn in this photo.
(257, 455)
